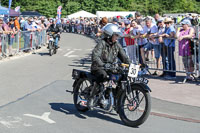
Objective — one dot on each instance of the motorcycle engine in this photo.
(105, 103)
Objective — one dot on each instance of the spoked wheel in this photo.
(134, 108)
(81, 94)
(50, 48)
(55, 50)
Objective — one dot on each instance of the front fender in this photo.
(144, 86)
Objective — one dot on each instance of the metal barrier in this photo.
(167, 59)
(21, 41)
(90, 30)
(173, 62)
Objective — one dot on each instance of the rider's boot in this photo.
(48, 46)
(57, 47)
(92, 100)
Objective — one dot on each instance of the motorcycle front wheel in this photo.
(55, 50)
(50, 48)
(134, 108)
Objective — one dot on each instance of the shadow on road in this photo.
(178, 80)
(84, 63)
(69, 109)
(43, 54)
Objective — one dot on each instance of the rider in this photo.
(56, 30)
(106, 52)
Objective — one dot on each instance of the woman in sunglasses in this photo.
(184, 34)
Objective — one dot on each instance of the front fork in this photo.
(127, 88)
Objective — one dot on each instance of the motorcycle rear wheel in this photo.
(135, 107)
(81, 92)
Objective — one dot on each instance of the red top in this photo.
(129, 41)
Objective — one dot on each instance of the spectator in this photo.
(169, 61)
(150, 31)
(27, 31)
(22, 22)
(115, 21)
(161, 31)
(141, 42)
(102, 23)
(1, 32)
(138, 18)
(156, 18)
(179, 18)
(121, 40)
(184, 35)
(11, 35)
(131, 49)
(16, 23)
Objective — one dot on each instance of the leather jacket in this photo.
(53, 28)
(107, 53)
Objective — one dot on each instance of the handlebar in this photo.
(124, 65)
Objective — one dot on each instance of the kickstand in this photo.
(70, 91)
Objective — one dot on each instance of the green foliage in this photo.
(147, 7)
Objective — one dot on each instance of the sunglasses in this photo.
(166, 22)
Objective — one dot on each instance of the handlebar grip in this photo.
(125, 65)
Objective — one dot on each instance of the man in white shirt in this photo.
(150, 31)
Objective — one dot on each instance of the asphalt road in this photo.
(33, 97)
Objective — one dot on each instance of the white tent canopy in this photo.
(81, 14)
(113, 13)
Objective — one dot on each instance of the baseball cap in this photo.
(115, 20)
(160, 20)
(127, 22)
(137, 14)
(186, 21)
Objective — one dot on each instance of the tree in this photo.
(147, 7)
(72, 7)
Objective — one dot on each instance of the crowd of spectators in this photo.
(25, 26)
(151, 35)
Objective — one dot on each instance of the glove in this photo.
(107, 65)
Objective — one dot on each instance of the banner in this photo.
(17, 8)
(10, 3)
(59, 12)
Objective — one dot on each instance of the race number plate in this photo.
(141, 80)
(133, 70)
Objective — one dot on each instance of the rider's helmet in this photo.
(110, 29)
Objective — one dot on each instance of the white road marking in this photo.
(89, 49)
(44, 117)
(77, 49)
(27, 125)
(6, 124)
(70, 56)
(70, 52)
(11, 123)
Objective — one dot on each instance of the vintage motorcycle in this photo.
(124, 92)
(52, 47)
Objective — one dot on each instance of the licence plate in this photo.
(141, 80)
